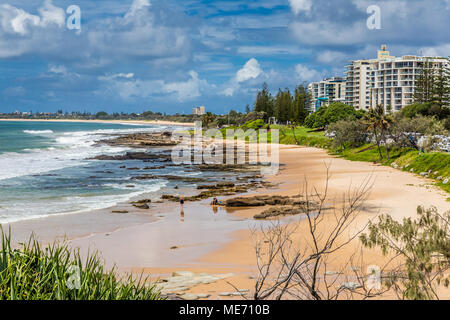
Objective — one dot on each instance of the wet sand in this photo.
(204, 241)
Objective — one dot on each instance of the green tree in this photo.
(148, 114)
(264, 102)
(441, 90)
(425, 83)
(283, 106)
(378, 123)
(101, 115)
(423, 245)
(335, 112)
(300, 103)
(207, 119)
(348, 133)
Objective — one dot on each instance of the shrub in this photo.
(402, 129)
(255, 125)
(35, 273)
(426, 109)
(335, 112)
(423, 243)
(348, 133)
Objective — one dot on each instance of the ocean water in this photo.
(44, 169)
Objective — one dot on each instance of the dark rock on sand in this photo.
(120, 211)
(220, 185)
(258, 201)
(245, 202)
(143, 206)
(279, 211)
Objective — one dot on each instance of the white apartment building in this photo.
(358, 84)
(393, 80)
(200, 111)
(326, 91)
(387, 80)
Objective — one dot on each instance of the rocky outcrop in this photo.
(279, 211)
(220, 185)
(176, 286)
(168, 177)
(142, 204)
(245, 202)
(132, 156)
(258, 201)
(142, 140)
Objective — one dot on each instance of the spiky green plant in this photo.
(57, 272)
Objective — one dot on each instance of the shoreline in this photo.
(203, 239)
(220, 242)
(149, 122)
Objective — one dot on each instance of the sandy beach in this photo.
(148, 122)
(202, 239)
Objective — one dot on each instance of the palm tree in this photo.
(379, 123)
(207, 119)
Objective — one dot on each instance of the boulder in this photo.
(279, 211)
(144, 201)
(245, 202)
(142, 206)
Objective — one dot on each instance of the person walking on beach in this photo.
(181, 201)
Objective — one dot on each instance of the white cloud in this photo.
(306, 74)
(117, 76)
(332, 57)
(330, 33)
(126, 88)
(139, 33)
(51, 14)
(57, 69)
(136, 6)
(16, 20)
(189, 89)
(251, 70)
(270, 50)
(437, 51)
(298, 6)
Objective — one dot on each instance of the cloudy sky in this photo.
(170, 56)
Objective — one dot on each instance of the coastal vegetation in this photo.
(423, 244)
(293, 262)
(56, 272)
(406, 140)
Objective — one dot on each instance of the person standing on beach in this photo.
(182, 201)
